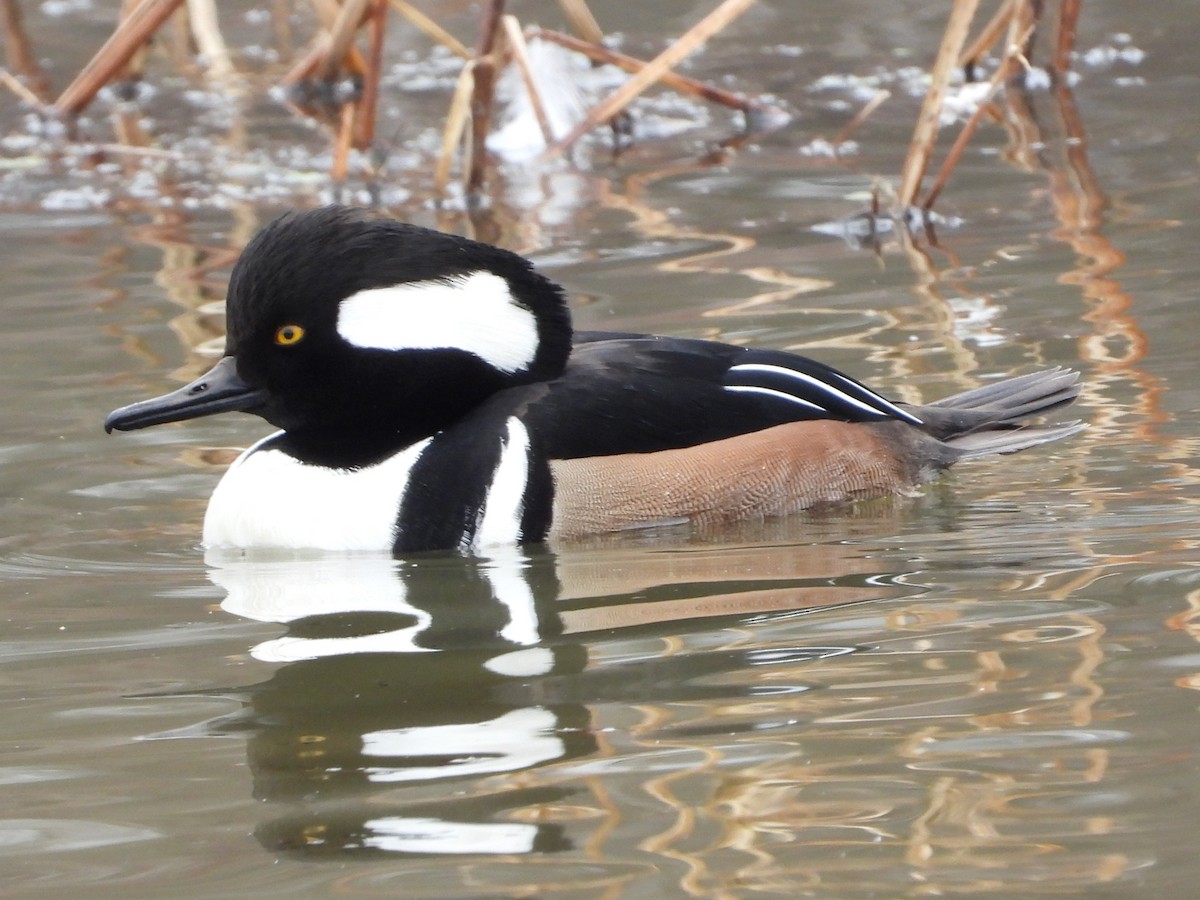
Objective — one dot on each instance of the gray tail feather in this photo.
(1010, 440)
(994, 418)
(1034, 394)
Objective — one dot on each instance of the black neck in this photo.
(344, 449)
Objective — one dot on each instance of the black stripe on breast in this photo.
(446, 490)
(539, 499)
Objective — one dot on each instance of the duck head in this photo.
(339, 322)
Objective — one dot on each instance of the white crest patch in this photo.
(269, 499)
(500, 522)
(476, 313)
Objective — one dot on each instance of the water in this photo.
(986, 689)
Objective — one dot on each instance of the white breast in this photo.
(269, 499)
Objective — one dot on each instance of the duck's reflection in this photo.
(413, 693)
(351, 605)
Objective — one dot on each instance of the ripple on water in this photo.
(526, 876)
(12, 775)
(143, 488)
(44, 565)
(1015, 742)
(24, 836)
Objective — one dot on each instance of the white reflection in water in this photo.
(421, 835)
(275, 590)
(285, 591)
(292, 649)
(516, 740)
(522, 663)
(504, 572)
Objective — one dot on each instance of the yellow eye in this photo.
(288, 334)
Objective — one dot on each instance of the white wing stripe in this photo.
(883, 405)
(750, 389)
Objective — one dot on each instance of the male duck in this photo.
(431, 395)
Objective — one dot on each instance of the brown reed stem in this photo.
(368, 102)
(989, 35)
(456, 124)
(484, 93)
(14, 84)
(342, 142)
(581, 20)
(683, 47)
(327, 13)
(18, 53)
(920, 149)
(1064, 43)
(520, 53)
(861, 116)
(128, 37)
(308, 63)
(281, 14)
(1002, 74)
(633, 65)
(136, 65)
(435, 31)
(1022, 27)
(342, 32)
(206, 30)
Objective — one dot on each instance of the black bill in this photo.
(221, 389)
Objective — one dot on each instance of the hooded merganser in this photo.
(431, 395)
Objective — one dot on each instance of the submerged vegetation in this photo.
(558, 89)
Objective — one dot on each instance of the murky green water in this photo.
(988, 689)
